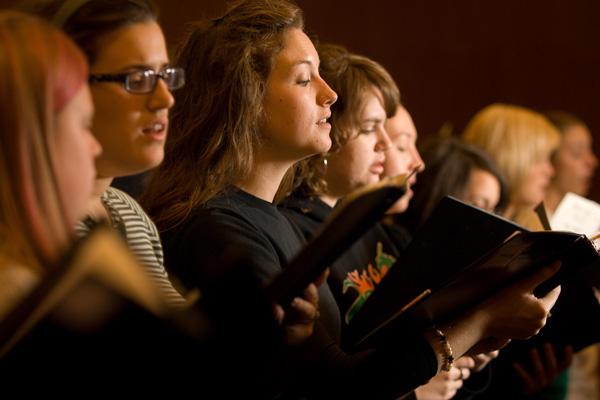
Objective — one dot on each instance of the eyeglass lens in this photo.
(145, 81)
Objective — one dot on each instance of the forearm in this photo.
(461, 335)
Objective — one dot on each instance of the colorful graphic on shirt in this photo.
(365, 281)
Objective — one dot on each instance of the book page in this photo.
(577, 214)
(103, 256)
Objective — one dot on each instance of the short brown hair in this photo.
(349, 75)
(88, 22)
(563, 120)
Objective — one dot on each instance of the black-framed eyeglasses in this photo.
(144, 81)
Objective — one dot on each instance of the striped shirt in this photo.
(128, 217)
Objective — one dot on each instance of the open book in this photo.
(349, 220)
(575, 317)
(458, 258)
(98, 260)
(97, 320)
(577, 214)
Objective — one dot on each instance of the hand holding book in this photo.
(481, 254)
(513, 313)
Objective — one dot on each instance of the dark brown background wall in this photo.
(451, 58)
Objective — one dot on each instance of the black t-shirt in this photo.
(236, 226)
(236, 230)
(358, 271)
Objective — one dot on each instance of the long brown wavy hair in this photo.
(215, 122)
(349, 75)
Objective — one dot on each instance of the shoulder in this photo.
(306, 214)
(128, 210)
(214, 224)
(120, 200)
(213, 239)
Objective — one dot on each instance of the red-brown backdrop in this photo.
(451, 58)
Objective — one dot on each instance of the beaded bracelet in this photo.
(447, 350)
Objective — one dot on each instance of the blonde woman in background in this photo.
(521, 143)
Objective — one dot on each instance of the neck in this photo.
(334, 192)
(553, 199)
(95, 208)
(265, 179)
(328, 199)
(511, 211)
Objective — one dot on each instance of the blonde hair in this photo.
(515, 137)
(43, 70)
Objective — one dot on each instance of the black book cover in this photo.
(461, 256)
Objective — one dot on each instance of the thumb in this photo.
(322, 278)
(550, 299)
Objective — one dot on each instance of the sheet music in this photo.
(577, 214)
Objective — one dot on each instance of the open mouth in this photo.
(324, 121)
(157, 127)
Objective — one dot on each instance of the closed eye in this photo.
(367, 130)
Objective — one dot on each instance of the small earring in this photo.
(325, 162)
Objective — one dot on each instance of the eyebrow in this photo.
(401, 135)
(143, 67)
(372, 120)
(408, 134)
(309, 62)
(302, 62)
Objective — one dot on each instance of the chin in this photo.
(398, 207)
(373, 180)
(324, 147)
(152, 160)
(404, 202)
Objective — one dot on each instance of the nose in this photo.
(549, 168)
(161, 97)
(326, 96)
(592, 160)
(417, 160)
(94, 145)
(383, 139)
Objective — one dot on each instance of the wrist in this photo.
(441, 347)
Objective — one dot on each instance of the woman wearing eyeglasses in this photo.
(131, 82)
